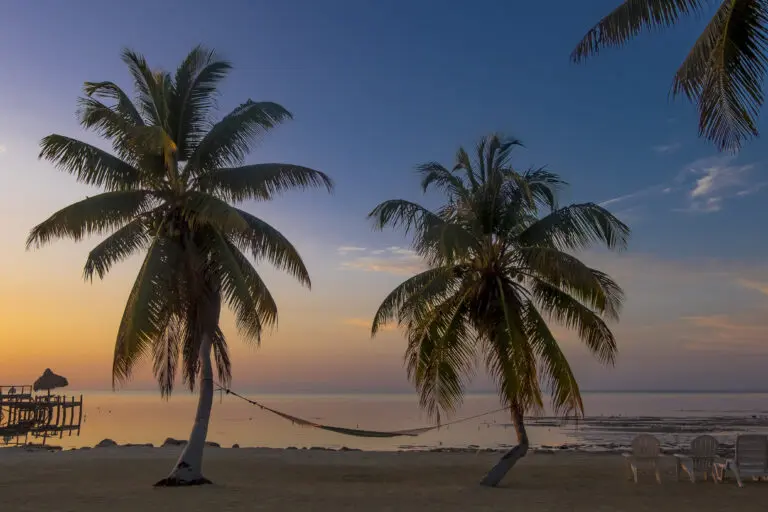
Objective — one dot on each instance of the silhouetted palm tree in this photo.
(498, 272)
(168, 188)
(724, 71)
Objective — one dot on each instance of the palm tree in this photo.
(168, 185)
(498, 273)
(724, 71)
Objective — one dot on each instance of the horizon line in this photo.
(402, 392)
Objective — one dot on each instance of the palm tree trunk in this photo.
(499, 471)
(189, 468)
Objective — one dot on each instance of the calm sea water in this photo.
(145, 418)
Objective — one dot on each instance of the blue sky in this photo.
(378, 87)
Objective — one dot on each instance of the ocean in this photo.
(612, 419)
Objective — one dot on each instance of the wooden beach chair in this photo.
(751, 459)
(700, 459)
(646, 451)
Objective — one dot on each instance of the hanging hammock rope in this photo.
(355, 431)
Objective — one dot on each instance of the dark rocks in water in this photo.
(320, 448)
(138, 445)
(31, 447)
(174, 442)
(106, 443)
(347, 449)
(292, 448)
(235, 445)
(212, 444)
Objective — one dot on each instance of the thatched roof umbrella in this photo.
(49, 380)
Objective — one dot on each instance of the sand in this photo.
(119, 480)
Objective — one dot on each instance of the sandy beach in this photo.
(119, 479)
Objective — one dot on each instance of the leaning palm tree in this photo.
(498, 273)
(168, 187)
(724, 71)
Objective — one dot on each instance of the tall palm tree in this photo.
(168, 185)
(724, 71)
(498, 273)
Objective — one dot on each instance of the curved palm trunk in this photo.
(499, 471)
(189, 468)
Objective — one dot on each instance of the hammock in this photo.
(355, 431)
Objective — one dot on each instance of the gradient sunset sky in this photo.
(376, 88)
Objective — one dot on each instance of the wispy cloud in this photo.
(346, 249)
(744, 333)
(645, 192)
(712, 180)
(391, 260)
(752, 190)
(667, 148)
(760, 286)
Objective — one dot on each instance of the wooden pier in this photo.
(24, 413)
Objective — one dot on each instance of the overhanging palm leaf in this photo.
(723, 73)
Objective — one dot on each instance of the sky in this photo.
(377, 88)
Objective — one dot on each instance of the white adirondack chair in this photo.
(646, 451)
(751, 459)
(700, 459)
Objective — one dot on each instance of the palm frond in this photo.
(568, 311)
(247, 232)
(221, 356)
(92, 216)
(265, 242)
(193, 96)
(240, 286)
(165, 354)
(561, 381)
(119, 246)
(628, 20)
(397, 213)
(260, 181)
(724, 73)
(591, 287)
(577, 226)
(124, 107)
(463, 163)
(440, 356)
(151, 303)
(149, 92)
(110, 124)
(509, 357)
(543, 186)
(89, 164)
(432, 173)
(437, 280)
(227, 142)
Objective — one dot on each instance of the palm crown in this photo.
(723, 72)
(168, 186)
(497, 272)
